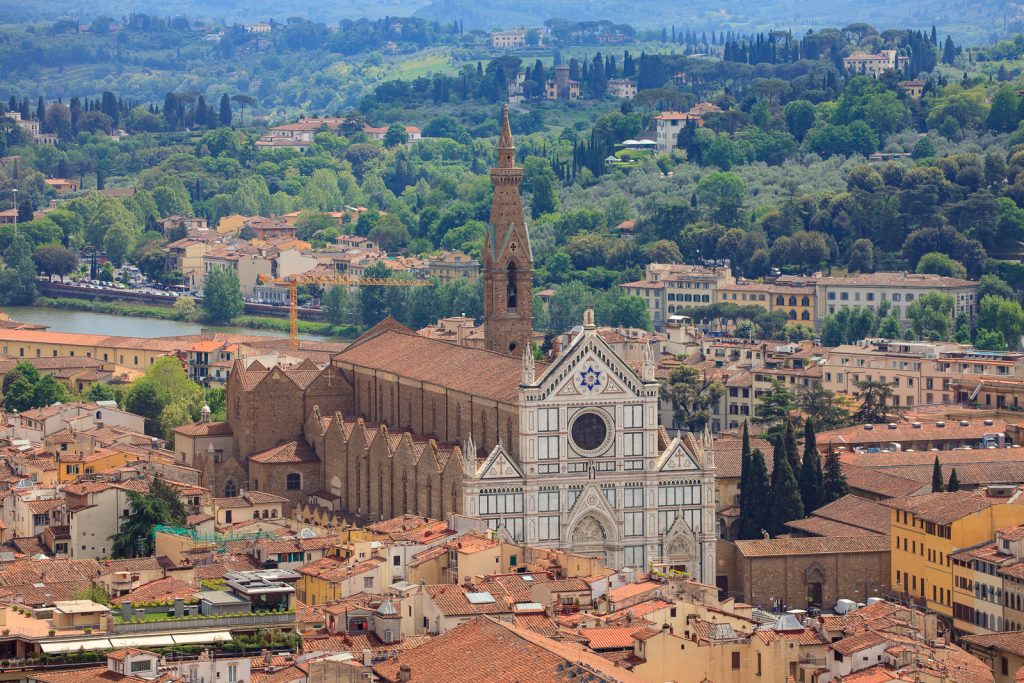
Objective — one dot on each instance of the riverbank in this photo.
(250, 322)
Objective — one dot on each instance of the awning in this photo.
(75, 645)
(142, 641)
(201, 638)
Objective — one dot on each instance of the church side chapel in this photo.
(566, 453)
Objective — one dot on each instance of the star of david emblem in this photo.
(590, 378)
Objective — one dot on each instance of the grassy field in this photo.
(426, 64)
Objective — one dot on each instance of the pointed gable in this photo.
(499, 465)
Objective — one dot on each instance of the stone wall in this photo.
(763, 581)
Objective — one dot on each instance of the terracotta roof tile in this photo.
(613, 637)
(161, 590)
(942, 508)
(815, 545)
(1011, 641)
(401, 351)
(856, 511)
(204, 429)
(291, 452)
(631, 590)
(452, 600)
(510, 653)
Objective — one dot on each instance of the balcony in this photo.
(813, 662)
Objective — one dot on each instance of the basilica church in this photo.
(564, 453)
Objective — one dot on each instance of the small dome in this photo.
(206, 410)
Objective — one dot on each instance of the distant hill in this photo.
(971, 22)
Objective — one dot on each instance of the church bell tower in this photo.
(507, 259)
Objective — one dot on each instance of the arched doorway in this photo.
(589, 537)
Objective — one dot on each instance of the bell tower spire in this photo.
(507, 258)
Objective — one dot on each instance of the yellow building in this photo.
(229, 225)
(927, 529)
(331, 578)
(72, 465)
(746, 294)
(796, 301)
(127, 353)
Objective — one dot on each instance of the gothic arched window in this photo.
(512, 298)
(230, 489)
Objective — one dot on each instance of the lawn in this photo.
(425, 64)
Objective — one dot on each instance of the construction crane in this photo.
(293, 282)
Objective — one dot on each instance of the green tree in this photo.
(954, 482)
(723, 194)
(99, 392)
(937, 263)
(924, 148)
(222, 296)
(812, 483)
(835, 486)
(931, 316)
(799, 117)
(172, 199)
(174, 415)
(395, 136)
(160, 505)
(49, 391)
(875, 398)
(310, 222)
(53, 259)
(889, 327)
(775, 406)
(786, 502)
(826, 409)
(338, 303)
(18, 286)
(994, 285)
(692, 395)
(225, 111)
(567, 305)
(1004, 115)
(1001, 315)
(164, 383)
(862, 257)
(756, 504)
(937, 485)
(988, 340)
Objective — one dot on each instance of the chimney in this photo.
(404, 673)
(367, 657)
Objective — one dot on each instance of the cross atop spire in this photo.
(506, 144)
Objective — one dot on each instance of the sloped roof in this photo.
(391, 347)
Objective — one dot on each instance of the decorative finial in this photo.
(648, 364)
(588, 319)
(529, 369)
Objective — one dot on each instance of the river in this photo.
(88, 322)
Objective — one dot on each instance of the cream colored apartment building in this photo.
(925, 373)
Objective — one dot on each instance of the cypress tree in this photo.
(744, 470)
(778, 455)
(792, 450)
(786, 503)
(225, 111)
(954, 481)
(835, 486)
(757, 512)
(937, 486)
(811, 479)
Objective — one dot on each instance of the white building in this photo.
(508, 39)
(596, 475)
